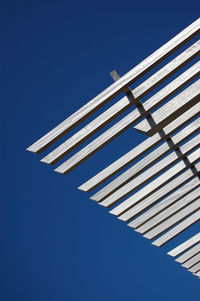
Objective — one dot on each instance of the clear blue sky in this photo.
(56, 244)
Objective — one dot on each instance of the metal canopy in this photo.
(159, 192)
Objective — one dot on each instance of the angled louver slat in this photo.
(195, 268)
(185, 246)
(192, 261)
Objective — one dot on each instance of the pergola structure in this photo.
(158, 193)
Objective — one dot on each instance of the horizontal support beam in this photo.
(116, 87)
(139, 150)
(177, 229)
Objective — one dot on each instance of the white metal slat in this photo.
(192, 261)
(185, 245)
